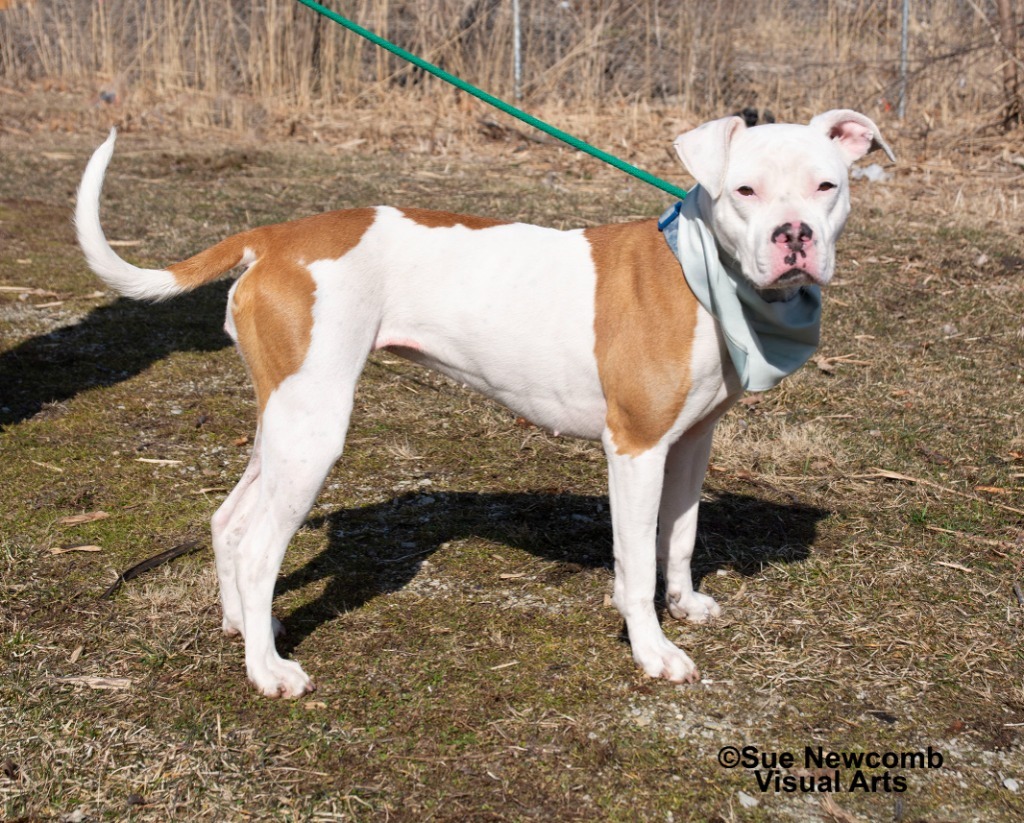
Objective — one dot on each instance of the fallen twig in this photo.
(66, 549)
(151, 563)
(79, 519)
(885, 474)
(958, 566)
(985, 541)
(105, 683)
(406, 556)
(27, 290)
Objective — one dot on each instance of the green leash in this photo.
(459, 83)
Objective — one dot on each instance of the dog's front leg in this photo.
(634, 485)
(684, 475)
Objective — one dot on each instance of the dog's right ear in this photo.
(705, 151)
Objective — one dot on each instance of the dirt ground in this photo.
(862, 528)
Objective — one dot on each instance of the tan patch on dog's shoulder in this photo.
(445, 220)
(272, 307)
(645, 319)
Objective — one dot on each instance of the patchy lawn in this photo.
(862, 529)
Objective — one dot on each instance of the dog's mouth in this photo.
(787, 285)
(792, 280)
(794, 277)
(784, 287)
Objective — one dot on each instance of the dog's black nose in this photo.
(793, 236)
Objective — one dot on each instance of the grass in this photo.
(449, 591)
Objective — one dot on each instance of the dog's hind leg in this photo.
(305, 332)
(302, 434)
(295, 460)
(228, 525)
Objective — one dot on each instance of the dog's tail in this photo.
(132, 281)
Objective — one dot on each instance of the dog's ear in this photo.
(705, 151)
(854, 134)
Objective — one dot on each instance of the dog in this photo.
(592, 333)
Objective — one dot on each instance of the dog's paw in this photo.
(233, 628)
(664, 659)
(281, 678)
(695, 607)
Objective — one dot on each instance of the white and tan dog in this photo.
(591, 333)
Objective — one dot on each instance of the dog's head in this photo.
(777, 196)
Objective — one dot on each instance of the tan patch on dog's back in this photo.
(645, 319)
(272, 307)
(445, 220)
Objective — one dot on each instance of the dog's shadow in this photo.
(112, 343)
(379, 548)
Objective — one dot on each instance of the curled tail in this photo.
(132, 281)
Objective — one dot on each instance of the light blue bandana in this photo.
(766, 341)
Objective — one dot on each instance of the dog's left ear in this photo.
(705, 151)
(854, 134)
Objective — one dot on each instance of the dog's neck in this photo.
(769, 333)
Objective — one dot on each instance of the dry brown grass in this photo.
(778, 447)
(246, 67)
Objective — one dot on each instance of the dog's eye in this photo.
(745, 191)
(826, 186)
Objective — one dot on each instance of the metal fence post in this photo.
(901, 108)
(517, 52)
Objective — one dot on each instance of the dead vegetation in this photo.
(242, 66)
(861, 525)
